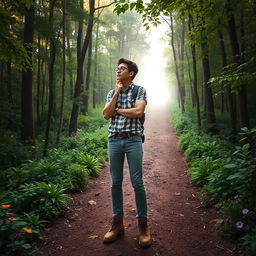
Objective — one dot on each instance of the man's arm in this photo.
(135, 112)
(109, 110)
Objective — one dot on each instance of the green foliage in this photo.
(201, 169)
(227, 174)
(46, 200)
(235, 76)
(78, 176)
(17, 232)
(181, 123)
(90, 163)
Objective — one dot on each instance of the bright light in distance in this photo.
(152, 69)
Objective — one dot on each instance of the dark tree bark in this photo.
(70, 73)
(9, 83)
(38, 103)
(85, 106)
(95, 79)
(230, 96)
(242, 93)
(209, 104)
(51, 77)
(63, 71)
(194, 63)
(80, 63)
(180, 90)
(27, 118)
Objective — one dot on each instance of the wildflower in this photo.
(12, 219)
(18, 234)
(27, 230)
(5, 205)
(236, 197)
(10, 213)
(239, 224)
(42, 199)
(245, 211)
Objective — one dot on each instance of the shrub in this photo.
(16, 233)
(46, 200)
(91, 164)
(78, 176)
(202, 168)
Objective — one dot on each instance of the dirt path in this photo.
(179, 226)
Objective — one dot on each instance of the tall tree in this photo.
(27, 117)
(242, 92)
(63, 70)
(81, 51)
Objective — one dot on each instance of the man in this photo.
(125, 138)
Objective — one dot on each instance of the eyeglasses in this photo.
(120, 69)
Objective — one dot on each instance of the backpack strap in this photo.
(135, 90)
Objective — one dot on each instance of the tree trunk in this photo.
(51, 78)
(231, 98)
(242, 93)
(210, 114)
(27, 119)
(70, 74)
(79, 77)
(87, 80)
(180, 91)
(63, 71)
(95, 79)
(38, 103)
(194, 63)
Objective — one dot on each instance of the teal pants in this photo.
(130, 147)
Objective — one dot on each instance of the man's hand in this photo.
(119, 86)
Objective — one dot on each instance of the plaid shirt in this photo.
(121, 123)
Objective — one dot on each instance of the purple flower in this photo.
(236, 197)
(42, 199)
(10, 213)
(245, 211)
(239, 224)
(18, 234)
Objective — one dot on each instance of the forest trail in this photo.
(178, 224)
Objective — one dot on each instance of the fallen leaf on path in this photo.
(182, 215)
(93, 236)
(218, 221)
(69, 225)
(133, 209)
(177, 193)
(91, 202)
(193, 195)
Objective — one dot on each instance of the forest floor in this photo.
(179, 224)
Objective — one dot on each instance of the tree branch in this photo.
(104, 6)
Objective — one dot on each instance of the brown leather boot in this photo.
(116, 230)
(144, 234)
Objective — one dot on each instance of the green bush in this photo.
(17, 232)
(186, 139)
(90, 163)
(228, 177)
(46, 200)
(78, 176)
(202, 168)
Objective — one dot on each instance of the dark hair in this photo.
(132, 66)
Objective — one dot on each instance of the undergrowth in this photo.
(227, 175)
(36, 191)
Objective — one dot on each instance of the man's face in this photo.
(122, 72)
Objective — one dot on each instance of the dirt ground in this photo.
(179, 225)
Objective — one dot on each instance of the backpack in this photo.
(135, 90)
